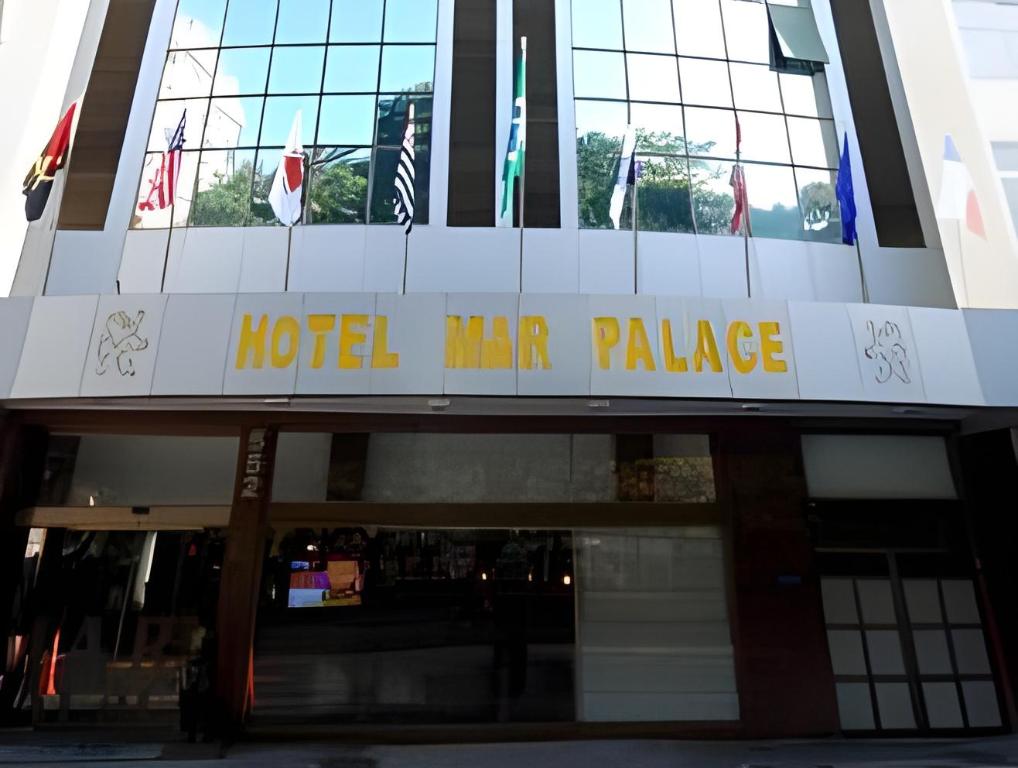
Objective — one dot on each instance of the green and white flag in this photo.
(515, 157)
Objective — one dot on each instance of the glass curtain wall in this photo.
(242, 69)
(679, 71)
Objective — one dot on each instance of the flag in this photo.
(626, 176)
(740, 216)
(39, 180)
(406, 173)
(957, 193)
(845, 192)
(288, 185)
(163, 191)
(515, 157)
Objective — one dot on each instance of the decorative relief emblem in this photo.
(119, 341)
(887, 352)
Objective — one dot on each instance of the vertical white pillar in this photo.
(503, 91)
(440, 126)
(568, 194)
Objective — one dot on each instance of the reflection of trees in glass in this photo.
(666, 186)
(339, 187)
(226, 202)
(819, 210)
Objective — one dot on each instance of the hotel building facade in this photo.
(512, 475)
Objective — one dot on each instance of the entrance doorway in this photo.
(907, 644)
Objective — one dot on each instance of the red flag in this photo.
(39, 180)
(738, 184)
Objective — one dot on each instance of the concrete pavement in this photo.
(834, 753)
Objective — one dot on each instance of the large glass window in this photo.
(243, 68)
(679, 71)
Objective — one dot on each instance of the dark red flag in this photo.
(39, 180)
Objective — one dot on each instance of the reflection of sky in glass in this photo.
(352, 68)
(755, 87)
(356, 21)
(296, 70)
(647, 26)
(705, 83)
(187, 74)
(599, 74)
(772, 201)
(598, 25)
(407, 68)
(746, 31)
(658, 119)
(410, 21)
(698, 28)
(347, 120)
(764, 137)
(233, 122)
(167, 118)
(250, 22)
(278, 119)
(652, 78)
(813, 142)
(710, 132)
(806, 95)
(302, 21)
(605, 117)
(241, 71)
(198, 24)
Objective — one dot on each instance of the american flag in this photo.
(163, 191)
(405, 174)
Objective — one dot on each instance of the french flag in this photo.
(957, 193)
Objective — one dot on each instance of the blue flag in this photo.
(846, 198)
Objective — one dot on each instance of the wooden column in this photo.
(242, 572)
(786, 683)
(22, 455)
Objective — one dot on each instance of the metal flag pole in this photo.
(289, 249)
(406, 256)
(862, 272)
(636, 226)
(523, 164)
(961, 263)
(745, 218)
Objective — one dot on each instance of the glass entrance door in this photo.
(907, 645)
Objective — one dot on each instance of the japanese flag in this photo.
(288, 185)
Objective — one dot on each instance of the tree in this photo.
(227, 201)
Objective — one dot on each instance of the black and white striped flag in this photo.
(405, 174)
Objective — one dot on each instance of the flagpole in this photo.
(166, 256)
(961, 262)
(636, 229)
(862, 272)
(523, 165)
(289, 248)
(406, 254)
(745, 220)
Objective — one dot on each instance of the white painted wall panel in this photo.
(141, 269)
(568, 345)
(616, 380)
(383, 258)
(886, 350)
(723, 266)
(758, 382)
(826, 364)
(84, 262)
(483, 382)
(948, 368)
(668, 264)
(606, 261)
(834, 270)
(684, 316)
(784, 269)
(551, 261)
(55, 347)
(328, 257)
(194, 344)
(329, 379)
(416, 333)
(263, 265)
(993, 334)
(462, 260)
(14, 317)
(205, 260)
(122, 355)
(877, 467)
(242, 377)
